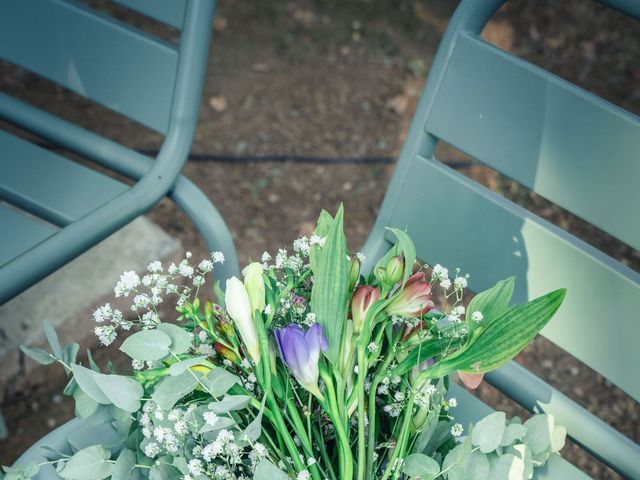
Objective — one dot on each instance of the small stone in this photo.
(218, 103)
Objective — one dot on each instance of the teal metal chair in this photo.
(51, 208)
(572, 148)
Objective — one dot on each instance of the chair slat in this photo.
(170, 12)
(459, 223)
(562, 142)
(48, 185)
(93, 55)
(470, 410)
(19, 233)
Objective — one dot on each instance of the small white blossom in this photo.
(210, 418)
(195, 467)
(310, 319)
(301, 245)
(458, 310)
(303, 475)
(372, 347)
(106, 334)
(281, 258)
(155, 266)
(185, 269)
(137, 364)
(103, 313)
(128, 282)
(446, 284)
(317, 240)
(151, 449)
(460, 283)
(361, 257)
(268, 309)
(205, 266)
(440, 272)
(217, 257)
(266, 257)
(206, 349)
(457, 429)
(477, 316)
(453, 402)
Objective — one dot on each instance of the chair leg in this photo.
(210, 224)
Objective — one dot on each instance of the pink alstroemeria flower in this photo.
(363, 298)
(414, 300)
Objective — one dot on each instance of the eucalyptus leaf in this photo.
(230, 403)
(21, 472)
(181, 366)
(86, 381)
(39, 355)
(124, 467)
(85, 405)
(488, 432)
(171, 389)
(91, 463)
(218, 381)
(52, 338)
(123, 392)
(512, 433)
(268, 471)
(180, 338)
(147, 345)
(507, 467)
(539, 431)
(418, 465)
(164, 471)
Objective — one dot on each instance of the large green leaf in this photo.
(180, 338)
(171, 389)
(147, 345)
(325, 220)
(408, 250)
(503, 338)
(418, 465)
(124, 392)
(91, 463)
(329, 296)
(490, 303)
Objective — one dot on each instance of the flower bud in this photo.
(394, 270)
(354, 272)
(363, 298)
(238, 307)
(413, 300)
(254, 283)
(226, 352)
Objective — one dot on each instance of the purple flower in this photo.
(300, 352)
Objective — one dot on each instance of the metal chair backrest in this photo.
(571, 147)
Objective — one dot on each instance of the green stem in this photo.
(331, 407)
(305, 441)
(402, 438)
(323, 452)
(362, 447)
(286, 436)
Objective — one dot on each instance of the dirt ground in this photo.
(340, 79)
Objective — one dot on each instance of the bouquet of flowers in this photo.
(305, 369)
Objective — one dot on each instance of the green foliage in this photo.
(408, 251)
(171, 389)
(504, 337)
(91, 463)
(180, 339)
(268, 471)
(491, 303)
(418, 465)
(329, 296)
(147, 345)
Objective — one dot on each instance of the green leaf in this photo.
(507, 467)
(39, 355)
(124, 392)
(268, 471)
(85, 379)
(218, 381)
(408, 250)
(325, 220)
(21, 472)
(90, 463)
(453, 462)
(180, 338)
(171, 389)
(329, 295)
(164, 471)
(147, 345)
(512, 433)
(539, 432)
(503, 338)
(488, 432)
(181, 366)
(70, 353)
(52, 338)
(85, 405)
(418, 465)
(230, 403)
(254, 429)
(491, 303)
(125, 465)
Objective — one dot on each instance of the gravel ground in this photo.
(341, 79)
